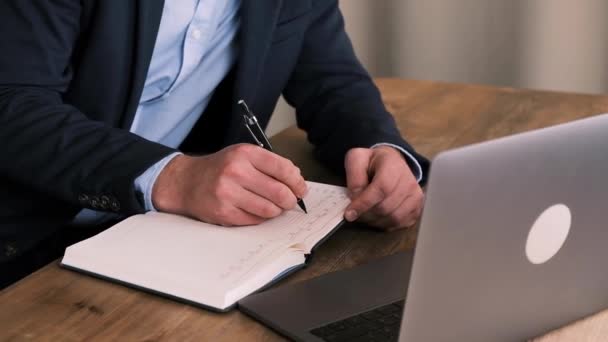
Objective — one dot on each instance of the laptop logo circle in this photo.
(548, 234)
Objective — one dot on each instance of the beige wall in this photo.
(542, 44)
(565, 46)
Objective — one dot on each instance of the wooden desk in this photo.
(55, 304)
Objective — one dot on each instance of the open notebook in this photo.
(205, 264)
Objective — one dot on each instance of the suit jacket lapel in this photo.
(258, 20)
(148, 15)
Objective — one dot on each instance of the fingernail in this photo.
(351, 215)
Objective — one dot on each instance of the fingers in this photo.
(381, 186)
(270, 190)
(356, 165)
(395, 198)
(277, 167)
(256, 205)
(229, 204)
(230, 216)
(400, 209)
(405, 215)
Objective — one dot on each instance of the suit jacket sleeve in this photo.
(47, 144)
(335, 99)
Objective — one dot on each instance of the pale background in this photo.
(541, 44)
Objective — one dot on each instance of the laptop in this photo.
(513, 243)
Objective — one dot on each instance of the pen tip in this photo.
(301, 205)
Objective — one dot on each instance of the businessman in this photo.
(110, 108)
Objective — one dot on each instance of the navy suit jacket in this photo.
(72, 72)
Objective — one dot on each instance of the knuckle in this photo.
(294, 173)
(230, 153)
(418, 197)
(269, 211)
(384, 209)
(353, 157)
(420, 193)
(287, 173)
(378, 191)
(222, 214)
(221, 190)
(420, 202)
(412, 185)
(366, 202)
(240, 149)
(233, 170)
(227, 160)
(355, 152)
(284, 170)
(274, 166)
(296, 181)
(285, 198)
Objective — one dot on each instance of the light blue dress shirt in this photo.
(195, 49)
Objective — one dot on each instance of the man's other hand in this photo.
(383, 190)
(239, 185)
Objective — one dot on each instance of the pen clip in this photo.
(248, 122)
(248, 114)
(257, 132)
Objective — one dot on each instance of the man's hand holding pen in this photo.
(242, 184)
(258, 135)
(247, 184)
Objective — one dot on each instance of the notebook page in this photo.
(199, 261)
(169, 254)
(325, 204)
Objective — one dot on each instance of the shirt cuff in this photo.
(145, 182)
(416, 169)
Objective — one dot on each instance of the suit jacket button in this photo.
(10, 250)
(82, 198)
(104, 202)
(115, 205)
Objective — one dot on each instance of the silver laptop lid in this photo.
(479, 273)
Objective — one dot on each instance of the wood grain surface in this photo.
(54, 304)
